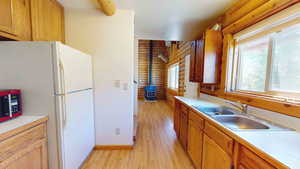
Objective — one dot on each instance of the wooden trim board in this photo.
(113, 147)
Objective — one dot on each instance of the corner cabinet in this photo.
(205, 62)
(47, 20)
(15, 19)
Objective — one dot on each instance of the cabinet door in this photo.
(21, 19)
(214, 157)
(177, 118)
(183, 129)
(199, 61)
(193, 61)
(248, 160)
(33, 157)
(47, 20)
(57, 22)
(6, 21)
(195, 142)
(212, 57)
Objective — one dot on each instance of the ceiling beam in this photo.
(108, 7)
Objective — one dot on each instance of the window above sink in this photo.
(265, 60)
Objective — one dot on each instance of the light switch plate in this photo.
(117, 83)
(125, 86)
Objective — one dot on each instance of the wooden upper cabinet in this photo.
(199, 61)
(47, 20)
(196, 61)
(21, 18)
(15, 19)
(212, 57)
(6, 21)
(193, 61)
(205, 61)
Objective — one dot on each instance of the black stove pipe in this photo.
(150, 60)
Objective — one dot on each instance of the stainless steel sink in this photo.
(211, 111)
(240, 122)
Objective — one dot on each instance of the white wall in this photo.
(284, 120)
(110, 40)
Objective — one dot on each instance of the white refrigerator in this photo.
(55, 80)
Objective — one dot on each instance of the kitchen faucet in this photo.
(240, 106)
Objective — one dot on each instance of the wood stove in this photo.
(150, 90)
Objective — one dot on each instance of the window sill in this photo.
(291, 109)
(173, 91)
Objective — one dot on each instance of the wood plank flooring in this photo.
(156, 146)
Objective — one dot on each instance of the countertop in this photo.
(280, 148)
(19, 124)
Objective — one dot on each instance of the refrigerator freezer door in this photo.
(77, 68)
(79, 130)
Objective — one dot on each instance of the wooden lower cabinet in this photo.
(246, 159)
(25, 150)
(214, 157)
(208, 146)
(183, 136)
(177, 118)
(195, 142)
(34, 157)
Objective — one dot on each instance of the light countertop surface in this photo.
(19, 122)
(282, 147)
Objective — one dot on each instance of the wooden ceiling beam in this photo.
(108, 7)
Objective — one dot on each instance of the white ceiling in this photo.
(166, 19)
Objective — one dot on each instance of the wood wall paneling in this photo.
(159, 68)
(178, 55)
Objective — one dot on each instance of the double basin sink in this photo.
(236, 120)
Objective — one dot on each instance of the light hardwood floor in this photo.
(156, 146)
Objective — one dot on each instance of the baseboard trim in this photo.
(113, 147)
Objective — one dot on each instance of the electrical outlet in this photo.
(118, 131)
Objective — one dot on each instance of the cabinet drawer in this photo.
(196, 120)
(13, 144)
(249, 160)
(224, 141)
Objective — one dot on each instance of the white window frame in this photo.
(266, 28)
(176, 76)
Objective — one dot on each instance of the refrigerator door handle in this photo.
(62, 85)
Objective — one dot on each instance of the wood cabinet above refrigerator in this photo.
(15, 19)
(26, 20)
